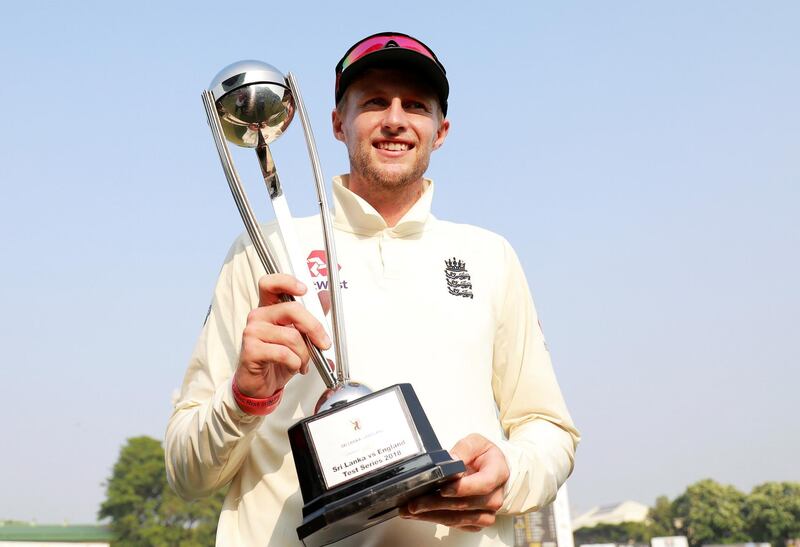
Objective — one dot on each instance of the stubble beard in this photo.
(369, 170)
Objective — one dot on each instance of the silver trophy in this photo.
(351, 477)
(250, 103)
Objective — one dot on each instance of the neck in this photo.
(391, 203)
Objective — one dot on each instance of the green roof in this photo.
(55, 532)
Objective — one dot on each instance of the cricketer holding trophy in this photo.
(442, 306)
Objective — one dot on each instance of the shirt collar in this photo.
(353, 214)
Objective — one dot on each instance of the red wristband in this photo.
(253, 406)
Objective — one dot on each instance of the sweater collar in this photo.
(353, 214)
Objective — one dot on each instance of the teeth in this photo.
(393, 146)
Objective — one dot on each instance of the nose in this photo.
(394, 117)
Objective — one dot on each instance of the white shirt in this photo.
(470, 346)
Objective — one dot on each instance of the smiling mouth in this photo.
(393, 146)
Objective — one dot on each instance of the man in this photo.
(442, 306)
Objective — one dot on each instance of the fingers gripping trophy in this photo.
(350, 477)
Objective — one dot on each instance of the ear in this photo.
(336, 120)
(441, 133)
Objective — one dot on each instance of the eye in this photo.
(417, 106)
(379, 102)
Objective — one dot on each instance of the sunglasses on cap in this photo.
(380, 41)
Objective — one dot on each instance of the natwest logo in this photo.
(318, 263)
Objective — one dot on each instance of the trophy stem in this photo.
(251, 224)
(337, 315)
(287, 232)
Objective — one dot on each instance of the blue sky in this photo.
(641, 157)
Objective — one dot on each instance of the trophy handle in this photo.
(252, 227)
(337, 315)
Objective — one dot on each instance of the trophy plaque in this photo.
(362, 455)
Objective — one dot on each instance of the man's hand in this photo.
(272, 346)
(470, 502)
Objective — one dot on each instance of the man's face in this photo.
(390, 124)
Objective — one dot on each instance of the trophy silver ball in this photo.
(252, 97)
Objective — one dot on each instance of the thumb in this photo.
(470, 447)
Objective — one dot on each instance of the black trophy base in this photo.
(330, 515)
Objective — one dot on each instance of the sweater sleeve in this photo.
(541, 437)
(208, 436)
